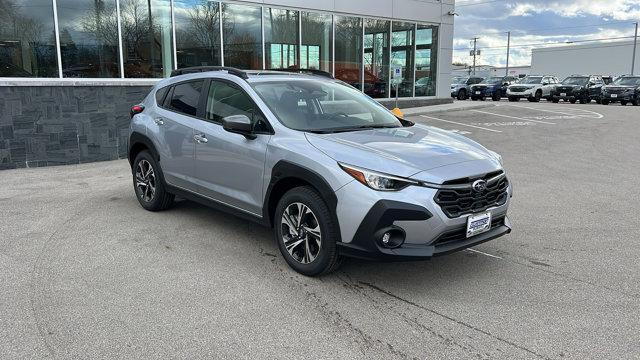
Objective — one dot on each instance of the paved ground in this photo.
(86, 273)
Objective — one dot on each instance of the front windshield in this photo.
(575, 81)
(628, 81)
(531, 80)
(323, 106)
(492, 81)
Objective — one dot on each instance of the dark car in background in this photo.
(492, 87)
(625, 89)
(582, 88)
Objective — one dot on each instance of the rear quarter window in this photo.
(160, 95)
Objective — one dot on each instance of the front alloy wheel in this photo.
(301, 233)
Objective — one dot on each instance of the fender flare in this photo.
(138, 138)
(284, 170)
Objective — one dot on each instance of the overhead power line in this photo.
(464, 3)
(568, 42)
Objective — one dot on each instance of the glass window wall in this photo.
(359, 51)
(242, 34)
(426, 49)
(281, 38)
(402, 40)
(376, 57)
(146, 36)
(89, 38)
(349, 50)
(197, 28)
(317, 42)
(27, 39)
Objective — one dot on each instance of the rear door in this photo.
(229, 166)
(174, 123)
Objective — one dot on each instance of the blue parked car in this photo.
(492, 87)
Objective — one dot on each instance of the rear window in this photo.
(185, 97)
(160, 94)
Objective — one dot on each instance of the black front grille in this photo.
(465, 200)
(519, 89)
(616, 90)
(567, 90)
(460, 233)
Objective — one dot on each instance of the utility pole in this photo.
(635, 44)
(508, 47)
(475, 42)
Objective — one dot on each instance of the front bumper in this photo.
(363, 213)
(520, 94)
(627, 96)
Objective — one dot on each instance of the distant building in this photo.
(602, 58)
(488, 70)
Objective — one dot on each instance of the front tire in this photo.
(462, 94)
(604, 102)
(536, 97)
(306, 232)
(513, 99)
(149, 183)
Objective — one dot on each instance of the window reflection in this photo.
(242, 35)
(349, 50)
(316, 51)
(426, 60)
(27, 39)
(146, 36)
(197, 32)
(281, 38)
(89, 38)
(376, 58)
(402, 56)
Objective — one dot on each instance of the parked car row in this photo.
(575, 88)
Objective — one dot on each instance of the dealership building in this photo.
(71, 69)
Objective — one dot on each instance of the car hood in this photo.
(626, 87)
(401, 151)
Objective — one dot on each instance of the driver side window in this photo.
(226, 99)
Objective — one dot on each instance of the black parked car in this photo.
(625, 89)
(583, 88)
(492, 87)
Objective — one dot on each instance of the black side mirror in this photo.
(239, 124)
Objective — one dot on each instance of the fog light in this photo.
(390, 237)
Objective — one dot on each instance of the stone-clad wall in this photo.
(56, 125)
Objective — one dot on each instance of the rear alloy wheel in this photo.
(623, 103)
(148, 184)
(604, 102)
(496, 97)
(462, 94)
(306, 232)
(573, 101)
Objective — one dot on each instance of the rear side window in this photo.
(160, 94)
(185, 97)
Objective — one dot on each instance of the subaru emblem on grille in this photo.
(479, 185)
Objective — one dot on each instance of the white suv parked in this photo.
(533, 88)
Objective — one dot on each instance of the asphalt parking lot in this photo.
(86, 273)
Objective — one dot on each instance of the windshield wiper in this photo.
(353, 128)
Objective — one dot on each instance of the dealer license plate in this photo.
(563, 94)
(478, 223)
(477, 92)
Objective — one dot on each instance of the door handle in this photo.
(200, 138)
(158, 121)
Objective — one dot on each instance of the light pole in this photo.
(635, 44)
(508, 48)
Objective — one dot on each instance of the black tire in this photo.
(483, 98)
(585, 100)
(513, 99)
(160, 199)
(473, 98)
(536, 97)
(555, 100)
(604, 102)
(462, 94)
(623, 102)
(327, 258)
(573, 101)
(496, 97)
(635, 102)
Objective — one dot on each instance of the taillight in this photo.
(136, 109)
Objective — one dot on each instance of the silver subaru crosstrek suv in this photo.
(331, 170)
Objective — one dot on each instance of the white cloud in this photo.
(616, 10)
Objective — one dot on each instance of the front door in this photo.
(229, 166)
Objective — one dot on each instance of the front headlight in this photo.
(377, 181)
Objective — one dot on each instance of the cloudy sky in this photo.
(537, 23)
